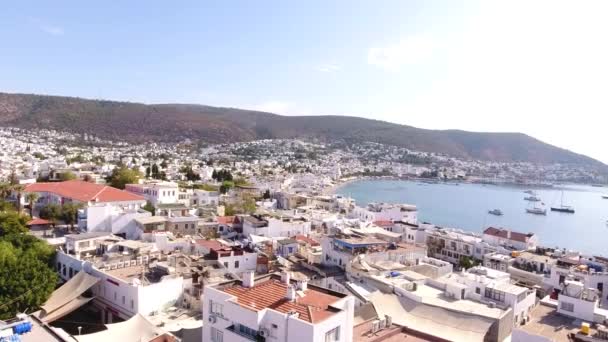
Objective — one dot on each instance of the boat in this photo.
(537, 211)
(605, 196)
(532, 198)
(496, 212)
(563, 208)
(529, 192)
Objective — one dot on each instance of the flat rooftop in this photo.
(546, 322)
(394, 333)
(312, 305)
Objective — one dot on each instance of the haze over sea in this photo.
(466, 207)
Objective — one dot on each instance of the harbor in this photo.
(469, 207)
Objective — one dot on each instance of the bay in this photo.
(466, 207)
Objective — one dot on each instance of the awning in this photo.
(136, 329)
(67, 298)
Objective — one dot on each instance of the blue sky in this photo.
(534, 67)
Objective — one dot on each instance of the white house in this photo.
(273, 308)
(492, 286)
(510, 239)
(156, 192)
(275, 227)
(579, 302)
(125, 287)
(386, 212)
(203, 197)
(105, 208)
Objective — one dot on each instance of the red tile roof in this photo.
(84, 191)
(212, 245)
(384, 223)
(306, 239)
(37, 222)
(504, 233)
(313, 307)
(225, 219)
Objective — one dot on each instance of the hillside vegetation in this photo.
(136, 122)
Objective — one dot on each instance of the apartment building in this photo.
(276, 308)
(508, 238)
(386, 212)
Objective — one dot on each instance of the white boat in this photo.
(605, 196)
(537, 211)
(532, 198)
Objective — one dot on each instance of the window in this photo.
(477, 290)
(123, 300)
(217, 335)
(132, 304)
(226, 264)
(236, 264)
(115, 295)
(216, 308)
(567, 306)
(333, 335)
(495, 294)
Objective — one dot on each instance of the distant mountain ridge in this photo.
(136, 122)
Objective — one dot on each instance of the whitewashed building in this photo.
(276, 308)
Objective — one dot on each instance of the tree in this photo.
(69, 213)
(266, 194)
(31, 198)
(226, 186)
(26, 276)
(154, 171)
(5, 190)
(11, 222)
(51, 212)
(122, 176)
(164, 164)
(148, 172)
(149, 207)
(66, 176)
(249, 206)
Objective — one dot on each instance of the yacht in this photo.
(537, 211)
(532, 198)
(605, 196)
(496, 212)
(563, 208)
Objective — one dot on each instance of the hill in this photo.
(136, 122)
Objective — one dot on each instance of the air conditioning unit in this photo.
(264, 332)
(212, 319)
(375, 326)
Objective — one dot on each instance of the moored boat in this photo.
(496, 212)
(537, 211)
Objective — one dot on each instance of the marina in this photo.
(468, 207)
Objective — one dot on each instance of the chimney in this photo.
(248, 280)
(285, 277)
(291, 293)
(303, 285)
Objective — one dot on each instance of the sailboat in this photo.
(536, 210)
(563, 208)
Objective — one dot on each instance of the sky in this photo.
(536, 67)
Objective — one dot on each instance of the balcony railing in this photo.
(255, 338)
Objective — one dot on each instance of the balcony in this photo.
(247, 335)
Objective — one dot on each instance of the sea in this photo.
(465, 206)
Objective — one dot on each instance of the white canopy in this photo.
(136, 329)
(67, 298)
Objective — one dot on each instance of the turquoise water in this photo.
(466, 207)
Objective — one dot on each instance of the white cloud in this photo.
(329, 68)
(411, 50)
(52, 30)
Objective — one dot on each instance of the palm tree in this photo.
(31, 198)
(18, 189)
